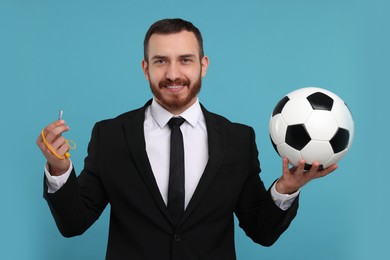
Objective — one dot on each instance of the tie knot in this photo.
(176, 121)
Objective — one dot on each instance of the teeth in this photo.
(174, 87)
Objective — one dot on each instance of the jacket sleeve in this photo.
(261, 219)
(79, 203)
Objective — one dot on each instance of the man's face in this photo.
(174, 70)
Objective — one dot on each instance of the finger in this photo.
(328, 170)
(39, 141)
(60, 141)
(54, 156)
(286, 170)
(48, 153)
(48, 148)
(45, 151)
(53, 125)
(314, 167)
(301, 167)
(42, 146)
(64, 148)
(54, 133)
(47, 137)
(58, 130)
(52, 144)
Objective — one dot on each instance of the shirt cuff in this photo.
(283, 201)
(54, 183)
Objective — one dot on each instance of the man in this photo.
(128, 166)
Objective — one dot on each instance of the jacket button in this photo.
(177, 238)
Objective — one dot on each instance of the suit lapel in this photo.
(134, 128)
(216, 144)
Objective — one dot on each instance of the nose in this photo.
(173, 72)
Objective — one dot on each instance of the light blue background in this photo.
(84, 57)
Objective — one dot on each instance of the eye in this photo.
(186, 60)
(159, 61)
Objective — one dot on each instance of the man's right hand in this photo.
(53, 136)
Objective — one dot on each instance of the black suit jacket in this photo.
(117, 171)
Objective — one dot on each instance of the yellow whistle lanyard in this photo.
(71, 144)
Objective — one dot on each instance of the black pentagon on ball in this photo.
(320, 101)
(297, 136)
(340, 140)
(308, 167)
(280, 105)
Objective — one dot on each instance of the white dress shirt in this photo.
(157, 138)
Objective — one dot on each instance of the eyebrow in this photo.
(158, 57)
(187, 56)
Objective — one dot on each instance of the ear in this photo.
(145, 68)
(205, 65)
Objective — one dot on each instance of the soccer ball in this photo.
(313, 124)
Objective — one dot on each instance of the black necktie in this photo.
(176, 170)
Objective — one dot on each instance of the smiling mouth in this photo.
(175, 87)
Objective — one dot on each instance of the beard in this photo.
(175, 101)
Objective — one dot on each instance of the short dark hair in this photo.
(168, 26)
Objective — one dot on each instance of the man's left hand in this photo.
(296, 177)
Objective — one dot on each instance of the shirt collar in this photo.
(192, 115)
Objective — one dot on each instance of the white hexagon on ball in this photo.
(335, 158)
(296, 111)
(320, 151)
(343, 117)
(321, 125)
(277, 128)
(293, 155)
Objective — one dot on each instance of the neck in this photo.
(178, 110)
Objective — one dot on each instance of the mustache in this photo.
(167, 82)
